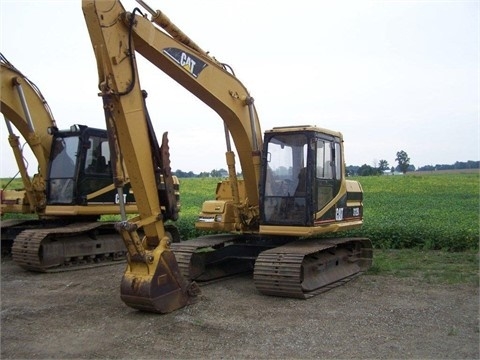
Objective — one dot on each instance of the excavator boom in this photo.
(15, 90)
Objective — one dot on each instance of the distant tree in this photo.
(366, 170)
(219, 173)
(383, 165)
(458, 165)
(403, 161)
(184, 174)
(352, 170)
(215, 173)
(473, 164)
(427, 168)
(181, 174)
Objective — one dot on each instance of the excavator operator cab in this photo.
(302, 173)
(79, 166)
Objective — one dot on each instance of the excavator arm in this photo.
(23, 106)
(152, 281)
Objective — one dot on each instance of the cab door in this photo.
(95, 171)
(328, 171)
(286, 193)
(62, 171)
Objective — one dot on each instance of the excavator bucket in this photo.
(160, 289)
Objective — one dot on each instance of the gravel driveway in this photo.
(79, 315)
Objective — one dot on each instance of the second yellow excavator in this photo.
(72, 188)
(293, 188)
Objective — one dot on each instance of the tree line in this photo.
(404, 166)
(459, 165)
(379, 168)
(216, 173)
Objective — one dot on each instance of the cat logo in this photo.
(189, 62)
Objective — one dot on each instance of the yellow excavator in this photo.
(293, 187)
(71, 190)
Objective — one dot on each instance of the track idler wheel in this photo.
(157, 285)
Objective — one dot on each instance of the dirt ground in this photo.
(79, 315)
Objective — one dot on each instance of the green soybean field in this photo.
(428, 211)
(432, 211)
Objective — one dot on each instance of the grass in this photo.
(434, 267)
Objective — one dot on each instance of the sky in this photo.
(389, 75)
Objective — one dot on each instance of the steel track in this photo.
(298, 269)
(71, 247)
